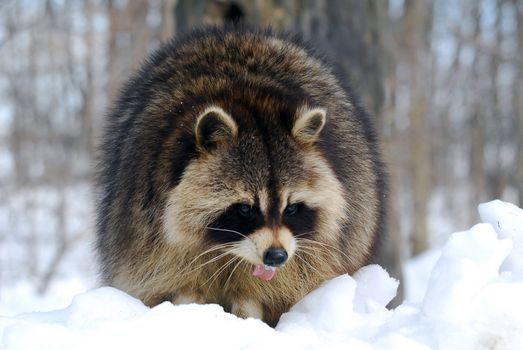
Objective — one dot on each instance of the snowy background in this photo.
(472, 300)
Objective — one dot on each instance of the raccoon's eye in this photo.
(291, 209)
(245, 210)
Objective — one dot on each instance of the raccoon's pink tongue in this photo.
(264, 272)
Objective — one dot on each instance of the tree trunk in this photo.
(417, 30)
(477, 121)
(128, 40)
(518, 103)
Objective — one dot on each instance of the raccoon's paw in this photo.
(247, 308)
(187, 298)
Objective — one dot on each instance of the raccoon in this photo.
(235, 169)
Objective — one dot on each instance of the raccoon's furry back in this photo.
(281, 126)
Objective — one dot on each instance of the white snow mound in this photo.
(474, 300)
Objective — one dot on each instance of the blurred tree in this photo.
(417, 30)
(129, 36)
(477, 115)
(518, 100)
(50, 86)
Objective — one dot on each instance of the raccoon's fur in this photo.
(236, 170)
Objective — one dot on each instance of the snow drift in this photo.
(474, 300)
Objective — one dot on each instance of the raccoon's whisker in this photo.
(325, 245)
(317, 252)
(215, 275)
(218, 272)
(227, 230)
(246, 267)
(306, 245)
(323, 258)
(215, 248)
(208, 251)
(320, 251)
(232, 272)
(321, 244)
(309, 265)
(206, 263)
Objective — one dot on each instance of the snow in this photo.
(417, 274)
(505, 218)
(472, 300)
(21, 298)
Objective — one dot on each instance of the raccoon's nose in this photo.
(275, 257)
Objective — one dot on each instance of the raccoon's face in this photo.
(257, 190)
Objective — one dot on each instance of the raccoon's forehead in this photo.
(251, 146)
(259, 159)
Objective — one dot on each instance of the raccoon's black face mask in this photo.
(256, 195)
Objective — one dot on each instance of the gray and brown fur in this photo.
(230, 116)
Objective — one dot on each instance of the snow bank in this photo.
(474, 300)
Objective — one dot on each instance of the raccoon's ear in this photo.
(213, 127)
(309, 122)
